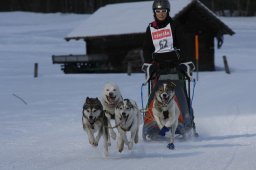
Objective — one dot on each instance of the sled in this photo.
(182, 97)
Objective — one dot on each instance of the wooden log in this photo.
(35, 70)
(129, 68)
(226, 64)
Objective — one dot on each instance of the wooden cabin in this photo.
(118, 30)
(197, 20)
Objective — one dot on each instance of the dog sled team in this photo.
(98, 114)
(169, 107)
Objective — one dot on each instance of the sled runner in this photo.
(181, 77)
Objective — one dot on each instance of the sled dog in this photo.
(166, 111)
(111, 95)
(127, 119)
(95, 121)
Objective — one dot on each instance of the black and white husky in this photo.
(166, 111)
(127, 118)
(95, 121)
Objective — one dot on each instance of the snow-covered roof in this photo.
(123, 18)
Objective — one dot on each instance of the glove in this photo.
(149, 70)
(187, 69)
(163, 130)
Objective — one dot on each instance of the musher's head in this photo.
(161, 9)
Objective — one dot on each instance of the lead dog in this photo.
(95, 121)
(166, 111)
(111, 95)
(127, 119)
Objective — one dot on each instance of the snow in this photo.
(121, 18)
(46, 133)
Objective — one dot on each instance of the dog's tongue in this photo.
(124, 119)
(111, 100)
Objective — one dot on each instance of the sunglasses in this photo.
(160, 10)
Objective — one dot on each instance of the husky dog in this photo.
(111, 95)
(166, 111)
(127, 118)
(95, 121)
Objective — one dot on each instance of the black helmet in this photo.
(158, 4)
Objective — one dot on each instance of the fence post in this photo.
(129, 68)
(35, 70)
(226, 64)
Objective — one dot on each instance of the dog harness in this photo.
(159, 106)
(126, 129)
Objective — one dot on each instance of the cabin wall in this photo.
(193, 22)
(206, 50)
(116, 47)
(206, 53)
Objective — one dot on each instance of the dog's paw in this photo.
(120, 144)
(171, 146)
(95, 144)
(130, 145)
(91, 142)
(120, 147)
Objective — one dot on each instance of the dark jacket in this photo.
(148, 46)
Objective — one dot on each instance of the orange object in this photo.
(196, 47)
(149, 115)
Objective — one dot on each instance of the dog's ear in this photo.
(97, 99)
(99, 103)
(127, 100)
(129, 103)
(119, 104)
(87, 100)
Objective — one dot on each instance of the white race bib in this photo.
(162, 39)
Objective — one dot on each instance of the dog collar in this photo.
(112, 116)
(126, 129)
